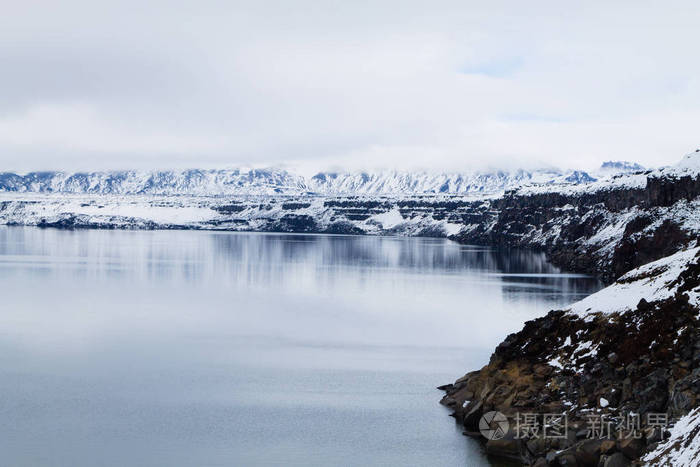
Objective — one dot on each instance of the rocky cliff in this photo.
(605, 229)
(627, 354)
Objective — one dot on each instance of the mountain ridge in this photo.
(276, 181)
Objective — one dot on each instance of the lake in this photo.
(190, 348)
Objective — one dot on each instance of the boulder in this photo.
(588, 452)
(616, 460)
(508, 448)
(632, 448)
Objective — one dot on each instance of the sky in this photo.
(105, 84)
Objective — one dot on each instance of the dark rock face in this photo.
(565, 226)
(662, 241)
(645, 361)
(663, 191)
(294, 223)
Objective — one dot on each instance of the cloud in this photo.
(317, 84)
(81, 128)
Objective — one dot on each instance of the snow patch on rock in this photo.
(389, 219)
(650, 282)
(682, 448)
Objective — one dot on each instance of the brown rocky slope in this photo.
(629, 352)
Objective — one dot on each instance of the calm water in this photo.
(218, 349)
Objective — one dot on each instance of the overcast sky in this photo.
(119, 84)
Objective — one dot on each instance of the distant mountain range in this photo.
(278, 181)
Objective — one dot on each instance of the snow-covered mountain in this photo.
(392, 182)
(274, 181)
(172, 182)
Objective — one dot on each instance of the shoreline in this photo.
(599, 357)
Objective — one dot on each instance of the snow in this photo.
(650, 282)
(452, 229)
(585, 349)
(476, 181)
(682, 449)
(193, 182)
(555, 362)
(240, 213)
(636, 180)
(573, 360)
(276, 181)
(177, 215)
(607, 235)
(628, 175)
(690, 161)
(389, 219)
(604, 402)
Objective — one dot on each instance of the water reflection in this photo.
(277, 260)
(202, 348)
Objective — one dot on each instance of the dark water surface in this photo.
(215, 349)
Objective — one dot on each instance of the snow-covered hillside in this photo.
(275, 181)
(652, 282)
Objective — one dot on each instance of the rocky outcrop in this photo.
(630, 352)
